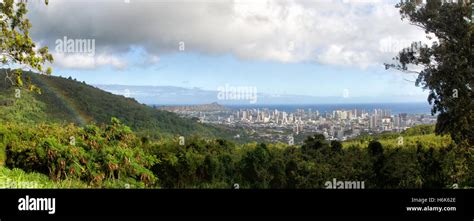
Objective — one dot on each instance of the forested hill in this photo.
(65, 100)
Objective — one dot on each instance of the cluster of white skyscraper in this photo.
(337, 124)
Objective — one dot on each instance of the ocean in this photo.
(395, 108)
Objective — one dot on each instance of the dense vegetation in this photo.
(113, 156)
(90, 154)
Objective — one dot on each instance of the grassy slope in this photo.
(422, 134)
(427, 140)
(17, 178)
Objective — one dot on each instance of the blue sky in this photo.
(207, 72)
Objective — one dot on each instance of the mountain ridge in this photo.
(174, 95)
(64, 100)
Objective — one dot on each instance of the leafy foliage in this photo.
(90, 154)
(17, 47)
(208, 163)
(447, 65)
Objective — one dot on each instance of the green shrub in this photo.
(90, 154)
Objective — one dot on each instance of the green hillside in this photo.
(69, 101)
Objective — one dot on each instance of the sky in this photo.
(308, 47)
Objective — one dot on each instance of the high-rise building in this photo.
(340, 133)
(296, 129)
(244, 115)
(396, 122)
(403, 119)
(386, 113)
(372, 122)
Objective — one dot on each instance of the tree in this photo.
(17, 48)
(255, 167)
(376, 154)
(336, 146)
(375, 149)
(313, 143)
(446, 66)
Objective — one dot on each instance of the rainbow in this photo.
(67, 102)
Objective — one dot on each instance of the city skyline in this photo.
(279, 125)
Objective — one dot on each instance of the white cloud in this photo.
(333, 32)
(338, 55)
(82, 61)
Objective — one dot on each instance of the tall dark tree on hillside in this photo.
(18, 50)
(256, 165)
(446, 65)
(377, 158)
